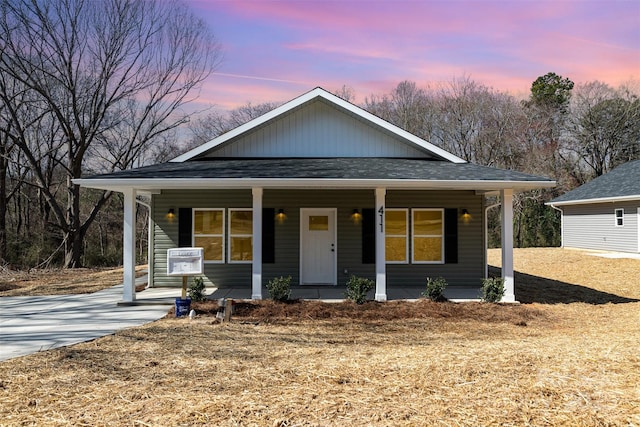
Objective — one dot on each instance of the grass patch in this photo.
(59, 281)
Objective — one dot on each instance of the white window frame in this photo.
(406, 235)
(619, 223)
(414, 235)
(193, 232)
(229, 236)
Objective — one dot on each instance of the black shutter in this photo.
(185, 227)
(451, 236)
(368, 236)
(268, 236)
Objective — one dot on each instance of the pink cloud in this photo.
(279, 49)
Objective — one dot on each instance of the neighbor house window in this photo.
(208, 233)
(619, 217)
(396, 239)
(240, 235)
(427, 233)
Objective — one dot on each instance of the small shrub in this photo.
(279, 288)
(492, 289)
(196, 290)
(357, 288)
(435, 289)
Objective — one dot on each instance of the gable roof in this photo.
(216, 163)
(305, 99)
(622, 183)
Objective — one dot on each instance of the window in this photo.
(619, 217)
(240, 235)
(396, 235)
(208, 233)
(318, 223)
(427, 233)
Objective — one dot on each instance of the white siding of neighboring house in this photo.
(318, 130)
(593, 226)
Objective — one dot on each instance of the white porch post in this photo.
(507, 244)
(256, 275)
(151, 245)
(381, 271)
(129, 246)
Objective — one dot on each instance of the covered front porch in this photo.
(388, 277)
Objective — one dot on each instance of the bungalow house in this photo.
(603, 214)
(320, 190)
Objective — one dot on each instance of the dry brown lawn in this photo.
(59, 281)
(568, 360)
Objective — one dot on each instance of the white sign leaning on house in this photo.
(185, 261)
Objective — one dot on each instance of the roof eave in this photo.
(598, 200)
(151, 184)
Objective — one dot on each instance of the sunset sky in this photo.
(277, 50)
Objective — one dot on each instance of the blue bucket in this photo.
(182, 306)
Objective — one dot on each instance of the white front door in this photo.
(318, 251)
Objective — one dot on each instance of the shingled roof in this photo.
(328, 168)
(622, 183)
(335, 171)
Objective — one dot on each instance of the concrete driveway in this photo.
(32, 324)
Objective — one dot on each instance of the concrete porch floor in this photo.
(323, 293)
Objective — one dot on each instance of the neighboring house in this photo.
(320, 189)
(603, 214)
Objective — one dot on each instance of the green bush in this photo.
(492, 289)
(196, 290)
(435, 289)
(357, 288)
(279, 288)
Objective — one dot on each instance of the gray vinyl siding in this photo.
(318, 130)
(469, 269)
(467, 272)
(166, 233)
(593, 226)
(349, 244)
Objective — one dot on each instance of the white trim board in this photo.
(600, 200)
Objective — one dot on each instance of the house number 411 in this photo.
(381, 213)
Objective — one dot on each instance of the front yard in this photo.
(567, 357)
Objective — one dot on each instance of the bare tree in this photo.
(408, 107)
(6, 147)
(604, 129)
(479, 124)
(215, 124)
(23, 120)
(110, 75)
(346, 92)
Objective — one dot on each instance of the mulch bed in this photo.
(267, 311)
